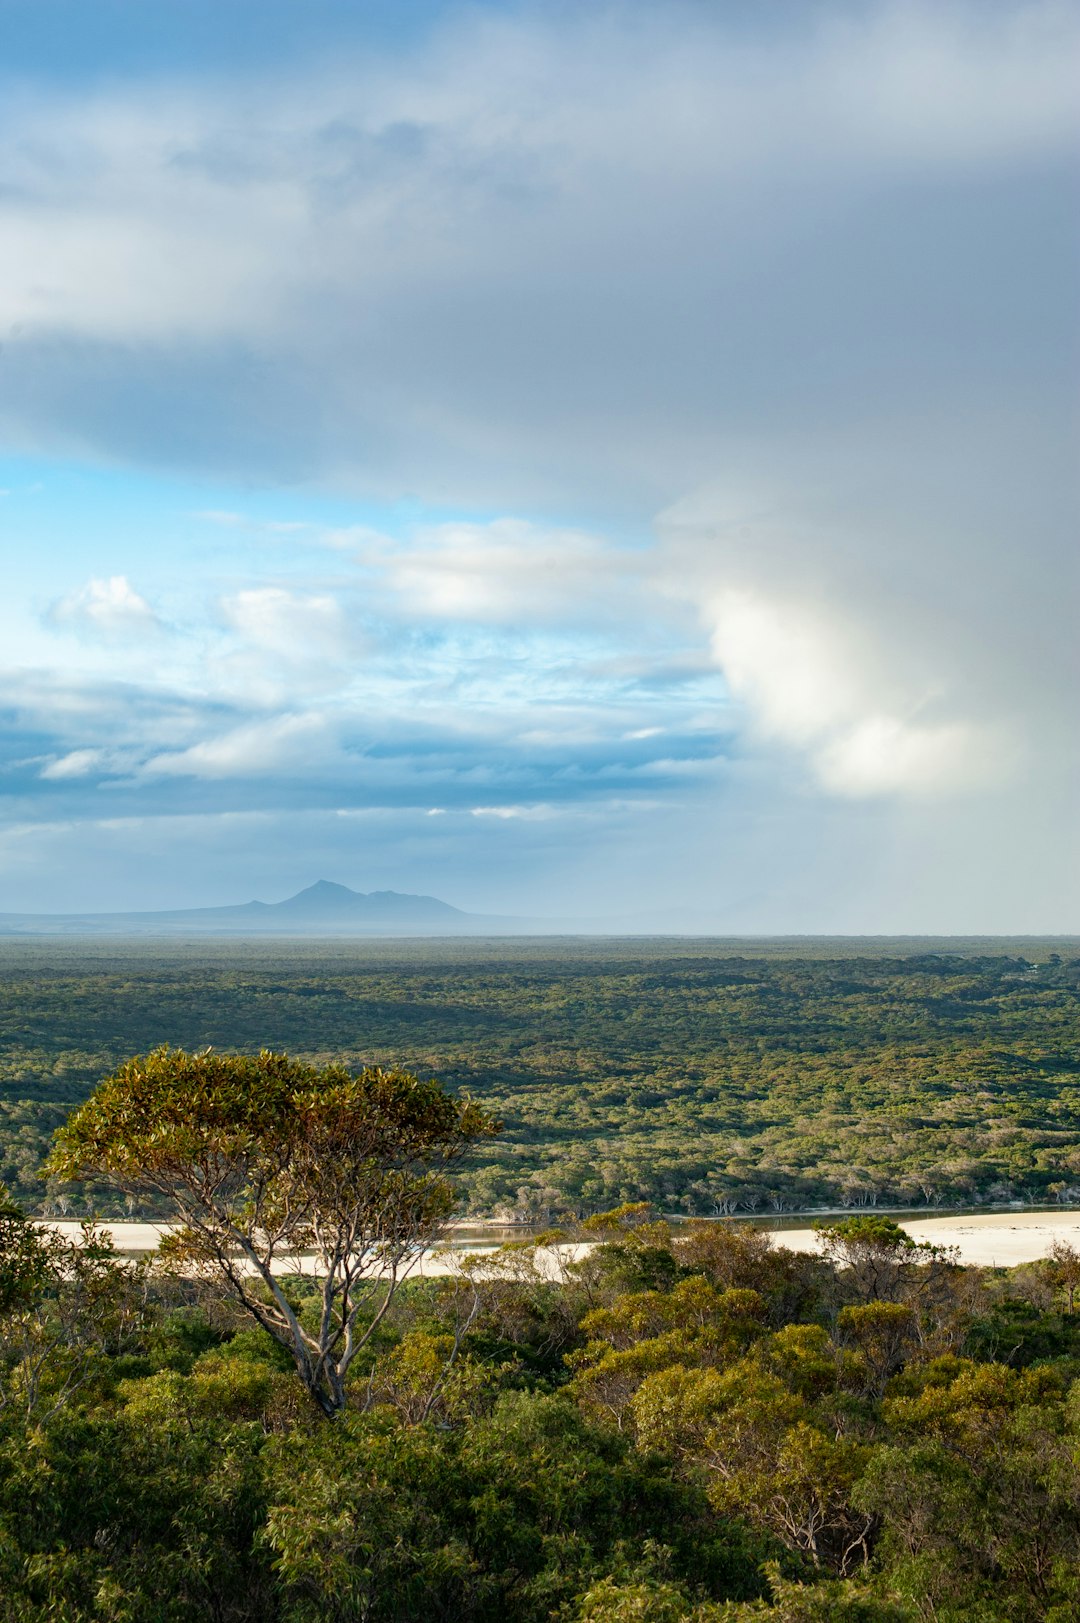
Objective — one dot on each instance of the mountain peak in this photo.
(324, 896)
(324, 908)
(327, 900)
(325, 890)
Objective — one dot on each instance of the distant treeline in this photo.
(690, 1074)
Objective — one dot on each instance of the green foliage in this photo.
(69, 1309)
(510, 1517)
(701, 1459)
(878, 1260)
(258, 1121)
(1017, 1332)
(978, 1490)
(264, 1158)
(885, 1334)
(681, 1073)
(658, 1601)
(689, 1425)
(146, 1515)
(694, 1324)
(26, 1258)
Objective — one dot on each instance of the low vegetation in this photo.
(704, 1077)
(688, 1423)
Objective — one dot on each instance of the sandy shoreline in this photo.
(989, 1239)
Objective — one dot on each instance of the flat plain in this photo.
(708, 1076)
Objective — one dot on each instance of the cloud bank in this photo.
(721, 365)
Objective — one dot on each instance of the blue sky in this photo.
(609, 461)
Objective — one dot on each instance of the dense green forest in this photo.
(687, 1425)
(706, 1077)
(681, 1423)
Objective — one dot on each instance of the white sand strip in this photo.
(139, 1239)
(989, 1239)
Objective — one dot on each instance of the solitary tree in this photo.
(264, 1158)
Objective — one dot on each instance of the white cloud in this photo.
(876, 624)
(279, 746)
(94, 764)
(106, 607)
(225, 518)
(535, 813)
(887, 755)
(789, 664)
(76, 764)
(526, 254)
(504, 572)
(812, 678)
(295, 626)
(574, 268)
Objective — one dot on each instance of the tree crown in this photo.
(158, 1111)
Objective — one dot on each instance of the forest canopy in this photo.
(703, 1077)
(687, 1424)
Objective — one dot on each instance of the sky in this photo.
(598, 460)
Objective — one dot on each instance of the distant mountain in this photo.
(325, 902)
(322, 909)
(334, 911)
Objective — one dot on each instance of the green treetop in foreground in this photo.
(264, 1158)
